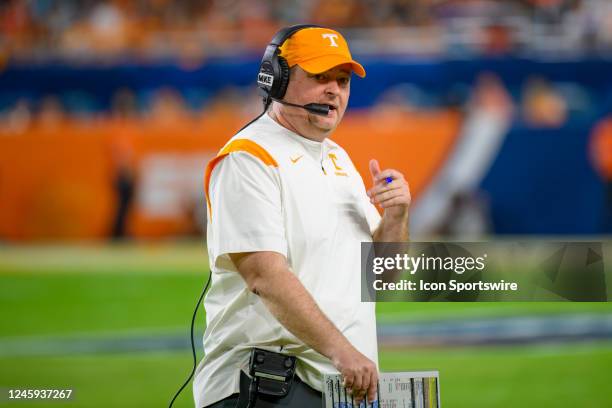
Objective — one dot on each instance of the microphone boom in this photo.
(316, 108)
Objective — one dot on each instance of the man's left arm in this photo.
(391, 192)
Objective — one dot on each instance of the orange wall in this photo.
(415, 144)
(56, 181)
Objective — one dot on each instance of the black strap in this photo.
(281, 36)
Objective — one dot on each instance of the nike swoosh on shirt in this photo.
(296, 159)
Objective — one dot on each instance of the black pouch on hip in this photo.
(272, 373)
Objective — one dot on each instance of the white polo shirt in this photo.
(270, 189)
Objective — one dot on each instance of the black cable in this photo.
(266, 105)
(195, 312)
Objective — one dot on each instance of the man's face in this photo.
(331, 87)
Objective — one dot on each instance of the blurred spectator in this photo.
(452, 205)
(543, 105)
(497, 39)
(18, 119)
(601, 18)
(159, 28)
(168, 110)
(336, 13)
(122, 158)
(256, 25)
(468, 217)
(51, 117)
(550, 12)
(491, 96)
(124, 104)
(108, 27)
(601, 155)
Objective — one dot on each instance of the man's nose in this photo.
(332, 88)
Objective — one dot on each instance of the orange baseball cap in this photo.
(316, 50)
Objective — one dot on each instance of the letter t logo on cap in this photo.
(332, 39)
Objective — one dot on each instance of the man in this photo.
(287, 213)
(600, 147)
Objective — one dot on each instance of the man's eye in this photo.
(320, 77)
(344, 80)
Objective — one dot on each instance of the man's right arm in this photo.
(268, 276)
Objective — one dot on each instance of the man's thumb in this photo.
(374, 168)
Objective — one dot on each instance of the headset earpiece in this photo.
(273, 75)
(283, 68)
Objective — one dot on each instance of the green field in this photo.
(138, 291)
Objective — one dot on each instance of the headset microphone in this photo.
(316, 108)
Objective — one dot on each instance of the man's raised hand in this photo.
(389, 190)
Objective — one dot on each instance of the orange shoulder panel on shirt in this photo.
(238, 145)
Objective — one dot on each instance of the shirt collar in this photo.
(317, 150)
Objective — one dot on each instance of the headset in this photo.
(272, 81)
(273, 75)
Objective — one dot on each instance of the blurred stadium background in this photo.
(498, 112)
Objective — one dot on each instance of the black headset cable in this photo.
(195, 312)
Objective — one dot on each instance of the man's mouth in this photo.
(331, 107)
